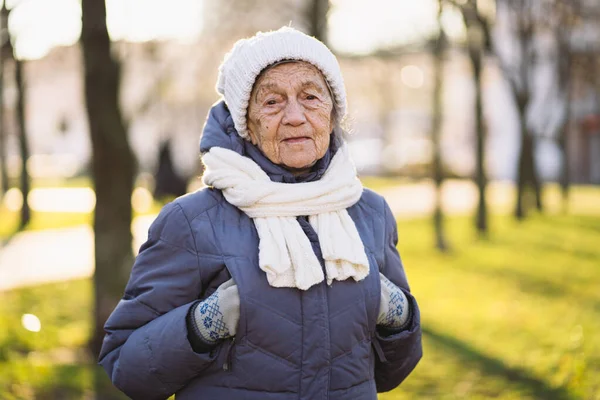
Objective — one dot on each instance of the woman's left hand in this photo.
(217, 316)
(394, 308)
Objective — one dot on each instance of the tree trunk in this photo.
(112, 167)
(437, 110)
(565, 83)
(317, 19)
(535, 179)
(526, 167)
(475, 53)
(3, 151)
(23, 145)
(3, 135)
(7, 48)
(564, 179)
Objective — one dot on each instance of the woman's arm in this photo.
(398, 353)
(146, 350)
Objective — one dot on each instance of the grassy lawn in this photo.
(516, 316)
(51, 363)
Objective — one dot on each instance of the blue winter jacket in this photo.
(321, 343)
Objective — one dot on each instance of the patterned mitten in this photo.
(394, 309)
(217, 316)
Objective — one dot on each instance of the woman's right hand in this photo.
(217, 316)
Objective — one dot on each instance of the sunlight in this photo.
(31, 322)
(141, 20)
(141, 200)
(412, 76)
(13, 199)
(354, 25)
(39, 25)
(359, 26)
(62, 200)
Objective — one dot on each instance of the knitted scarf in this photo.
(285, 253)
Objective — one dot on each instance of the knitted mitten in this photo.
(394, 309)
(217, 316)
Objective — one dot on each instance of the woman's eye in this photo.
(311, 97)
(271, 102)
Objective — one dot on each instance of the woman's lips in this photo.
(295, 140)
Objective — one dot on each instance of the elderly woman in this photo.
(281, 279)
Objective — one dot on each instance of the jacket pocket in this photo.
(378, 350)
(226, 358)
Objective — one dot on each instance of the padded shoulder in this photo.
(199, 202)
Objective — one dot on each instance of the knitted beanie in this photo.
(242, 65)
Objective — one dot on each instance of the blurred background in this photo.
(478, 120)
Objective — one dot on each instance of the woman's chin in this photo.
(299, 160)
(299, 164)
(298, 167)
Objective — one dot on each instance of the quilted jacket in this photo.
(321, 343)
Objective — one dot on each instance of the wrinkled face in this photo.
(290, 115)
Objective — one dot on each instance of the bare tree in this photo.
(317, 19)
(562, 25)
(479, 42)
(3, 134)
(439, 47)
(518, 68)
(113, 166)
(25, 180)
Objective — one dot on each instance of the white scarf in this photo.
(285, 253)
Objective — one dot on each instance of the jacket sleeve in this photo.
(146, 351)
(398, 353)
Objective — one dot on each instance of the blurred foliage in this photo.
(512, 317)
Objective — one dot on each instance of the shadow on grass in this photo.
(540, 286)
(558, 234)
(538, 388)
(590, 223)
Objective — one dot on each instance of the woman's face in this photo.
(289, 115)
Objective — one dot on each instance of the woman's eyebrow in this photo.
(313, 84)
(262, 87)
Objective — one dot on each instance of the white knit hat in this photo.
(250, 56)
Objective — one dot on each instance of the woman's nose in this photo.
(293, 114)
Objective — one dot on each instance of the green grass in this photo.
(516, 316)
(52, 363)
(512, 317)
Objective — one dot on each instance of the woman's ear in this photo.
(251, 135)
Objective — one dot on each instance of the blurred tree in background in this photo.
(21, 121)
(317, 11)
(3, 150)
(439, 47)
(564, 16)
(113, 167)
(478, 45)
(519, 69)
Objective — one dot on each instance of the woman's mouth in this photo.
(296, 140)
